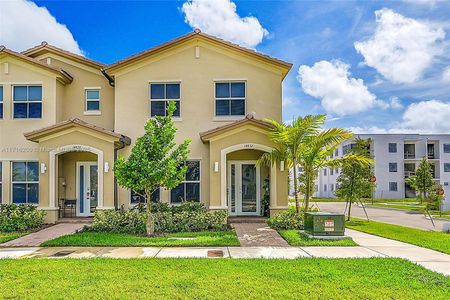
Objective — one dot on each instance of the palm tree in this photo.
(304, 143)
(290, 140)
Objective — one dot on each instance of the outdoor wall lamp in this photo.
(282, 165)
(216, 166)
(106, 167)
(43, 168)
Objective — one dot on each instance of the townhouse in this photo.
(64, 119)
(396, 156)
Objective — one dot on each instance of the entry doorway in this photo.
(87, 188)
(244, 188)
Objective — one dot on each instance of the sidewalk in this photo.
(370, 246)
(38, 237)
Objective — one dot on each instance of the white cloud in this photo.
(446, 75)
(219, 18)
(339, 93)
(23, 25)
(401, 48)
(427, 116)
(367, 130)
(395, 103)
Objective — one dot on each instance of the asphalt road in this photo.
(397, 217)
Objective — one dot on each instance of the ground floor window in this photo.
(393, 186)
(189, 189)
(25, 182)
(139, 197)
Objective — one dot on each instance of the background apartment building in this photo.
(397, 157)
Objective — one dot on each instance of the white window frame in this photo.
(86, 100)
(23, 182)
(27, 101)
(190, 181)
(175, 118)
(230, 117)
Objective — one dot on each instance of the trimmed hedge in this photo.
(21, 217)
(289, 219)
(187, 217)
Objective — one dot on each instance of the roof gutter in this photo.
(110, 79)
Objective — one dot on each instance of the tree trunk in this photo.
(149, 225)
(308, 179)
(297, 204)
(349, 209)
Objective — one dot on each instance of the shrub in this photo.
(21, 217)
(289, 219)
(189, 216)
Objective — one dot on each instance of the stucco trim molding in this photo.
(54, 165)
(223, 171)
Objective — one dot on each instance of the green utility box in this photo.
(324, 224)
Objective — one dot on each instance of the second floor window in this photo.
(92, 100)
(392, 167)
(392, 147)
(230, 99)
(446, 148)
(160, 95)
(27, 101)
(1, 102)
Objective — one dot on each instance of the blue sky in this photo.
(357, 89)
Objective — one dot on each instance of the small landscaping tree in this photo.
(422, 181)
(155, 161)
(353, 181)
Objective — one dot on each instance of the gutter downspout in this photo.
(110, 79)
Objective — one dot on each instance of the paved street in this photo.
(369, 246)
(397, 217)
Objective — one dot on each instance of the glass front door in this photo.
(87, 188)
(243, 188)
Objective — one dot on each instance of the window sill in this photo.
(227, 118)
(93, 113)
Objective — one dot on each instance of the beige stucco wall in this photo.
(197, 77)
(13, 145)
(73, 101)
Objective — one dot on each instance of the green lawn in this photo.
(307, 278)
(438, 241)
(200, 239)
(8, 236)
(297, 238)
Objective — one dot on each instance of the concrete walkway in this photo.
(385, 215)
(38, 237)
(258, 235)
(370, 246)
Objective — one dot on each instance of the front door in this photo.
(87, 188)
(243, 188)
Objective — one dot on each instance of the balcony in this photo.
(409, 173)
(409, 155)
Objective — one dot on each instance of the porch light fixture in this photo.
(216, 166)
(282, 165)
(43, 168)
(106, 167)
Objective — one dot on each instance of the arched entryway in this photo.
(76, 174)
(242, 179)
